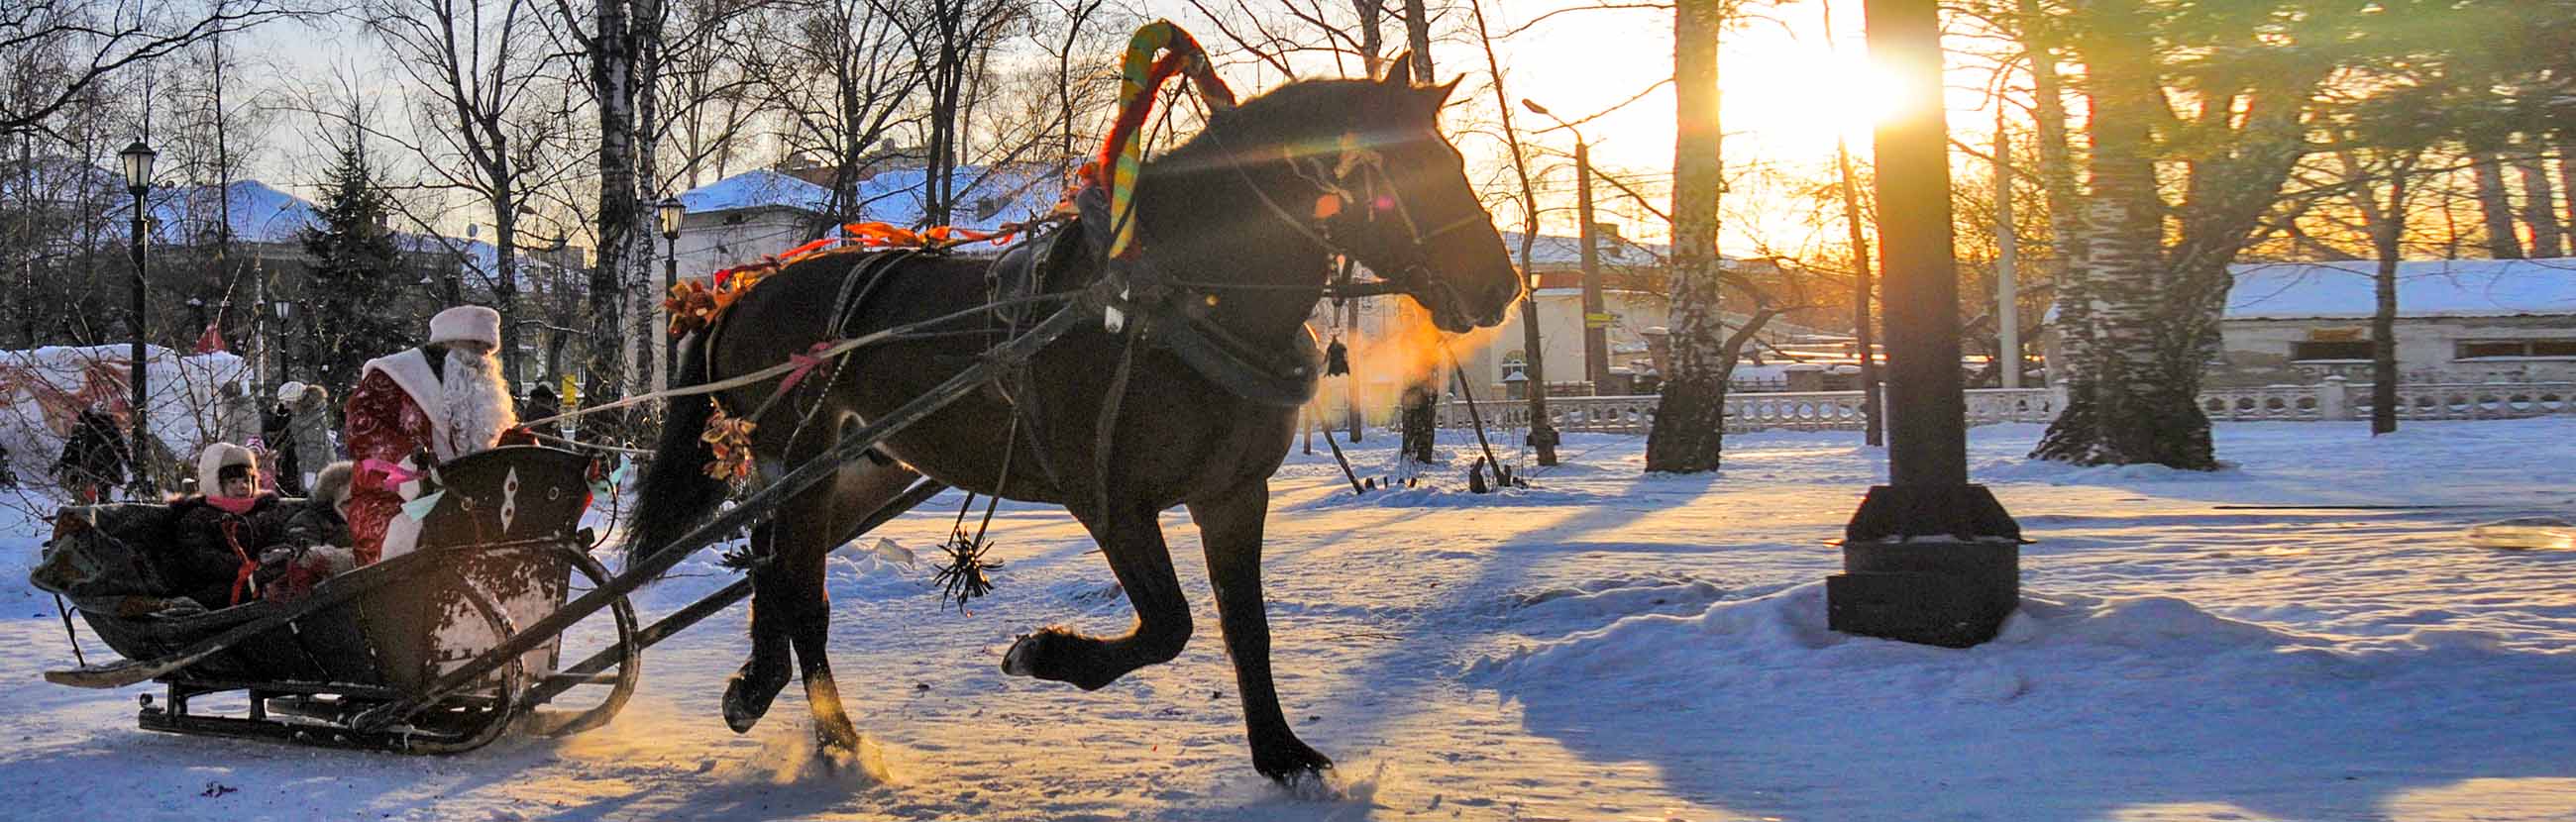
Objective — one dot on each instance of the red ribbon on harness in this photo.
(805, 363)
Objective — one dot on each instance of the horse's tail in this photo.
(676, 493)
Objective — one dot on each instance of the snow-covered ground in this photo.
(1602, 646)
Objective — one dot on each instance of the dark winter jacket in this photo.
(209, 546)
(309, 522)
(275, 431)
(95, 453)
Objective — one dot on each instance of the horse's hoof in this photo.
(746, 701)
(1289, 761)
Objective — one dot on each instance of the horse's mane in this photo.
(1311, 111)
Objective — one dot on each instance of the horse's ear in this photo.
(1397, 71)
(1433, 97)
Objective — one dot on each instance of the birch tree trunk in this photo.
(612, 77)
(2143, 371)
(648, 25)
(1690, 419)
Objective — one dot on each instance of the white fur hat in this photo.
(217, 457)
(466, 323)
(290, 391)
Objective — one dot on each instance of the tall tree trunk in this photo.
(505, 285)
(2540, 205)
(2567, 182)
(1372, 35)
(653, 261)
(2141, 383)
(2068, 369)
(1421, 402)
(612, 77)
(2385, 231)
(2495, 205)
(1873, 405)
(1690, 420)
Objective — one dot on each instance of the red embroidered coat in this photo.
(384, 424)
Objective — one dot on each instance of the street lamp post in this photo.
(138, 181)
(1596, 317)
(670, 210)
(1929, 557)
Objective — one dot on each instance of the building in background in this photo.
(2457, 321)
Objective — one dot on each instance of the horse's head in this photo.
(1409, 213)
(1383, 186)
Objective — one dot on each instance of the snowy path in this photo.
(1605, 646)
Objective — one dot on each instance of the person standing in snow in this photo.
(414, 409)
(93, 459)
(236, 414)
(542, 404)
(273, 433)
(308, 431)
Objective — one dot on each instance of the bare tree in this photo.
(1690, 419)
(493, 114)
(840, 76)
(71, 46)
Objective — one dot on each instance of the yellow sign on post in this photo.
(571, 393)
(1599, 320)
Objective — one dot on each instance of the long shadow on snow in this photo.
(1757, 708)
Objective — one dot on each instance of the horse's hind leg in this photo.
(1230, 527)
(855, 492)
(1131, 537)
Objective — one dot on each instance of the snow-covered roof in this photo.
(1556, 249)
(58, 179)
(259, 212)
(984, 200)
(756, 189)
(2431, 288)
(895, 197)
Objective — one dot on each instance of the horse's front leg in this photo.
(773, 615)
(1230, 526)
(1131, 537)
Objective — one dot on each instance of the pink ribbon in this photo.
(805, 363)
(394, 474)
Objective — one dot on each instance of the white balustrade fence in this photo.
(2335, 399)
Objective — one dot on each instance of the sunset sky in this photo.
(1786, 93)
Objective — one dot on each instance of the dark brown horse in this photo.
(1230, 222)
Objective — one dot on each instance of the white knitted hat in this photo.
(212, 462)
(290, 391)
(466, 323)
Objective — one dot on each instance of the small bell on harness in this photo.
(1337, 358)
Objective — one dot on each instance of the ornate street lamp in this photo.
(138, 181)
(669, 211)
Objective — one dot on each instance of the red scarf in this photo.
(234, 505)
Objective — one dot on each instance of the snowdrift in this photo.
(43, 390)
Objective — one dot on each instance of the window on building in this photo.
(2474, 349)
(2330, 350)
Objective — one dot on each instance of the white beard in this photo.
(474, 405)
